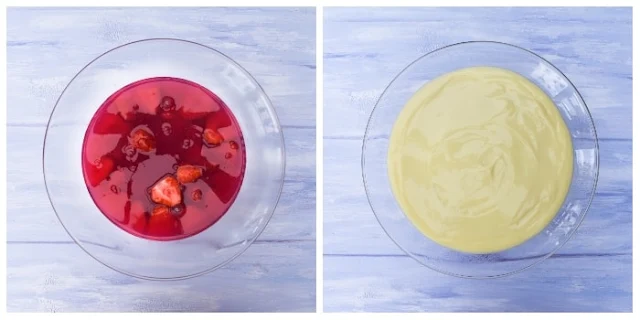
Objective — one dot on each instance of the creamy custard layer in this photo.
(480, 160)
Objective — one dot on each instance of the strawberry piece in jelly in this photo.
(143, 140)
(167, 192)
(188, 173)
(162, 223)
(212, 137)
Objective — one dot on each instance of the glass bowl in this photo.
(570, 105)
(209, 249)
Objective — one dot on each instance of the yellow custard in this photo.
(480, 160)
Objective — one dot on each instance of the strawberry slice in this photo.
(100, 170)
(143, 140)
(163, 223)
(188, 173)
(110, 123)
(160, 210)
(212, 137)
(167, 192)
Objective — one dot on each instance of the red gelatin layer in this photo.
(163, 158)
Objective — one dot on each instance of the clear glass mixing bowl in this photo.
(570, 105)
(205, 251)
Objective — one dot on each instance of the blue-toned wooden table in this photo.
(47, 271)
(364, 49)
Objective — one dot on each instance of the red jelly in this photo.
(163, 158)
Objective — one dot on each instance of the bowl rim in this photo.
(274, 205)
(538, 260)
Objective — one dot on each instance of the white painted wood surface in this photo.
(364, 49)
(47, 271)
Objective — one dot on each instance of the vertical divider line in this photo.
(3, 159)
(635, 145)
(319, 158)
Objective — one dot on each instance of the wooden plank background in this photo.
(47, 271)
(364, 49)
